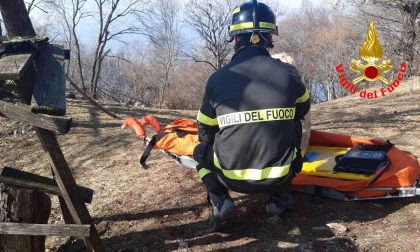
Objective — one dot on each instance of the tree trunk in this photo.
(409, 12)
(23, 206)
(16, 19)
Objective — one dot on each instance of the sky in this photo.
(291, 4)
(88, 29)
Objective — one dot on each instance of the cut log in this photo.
(21, 205)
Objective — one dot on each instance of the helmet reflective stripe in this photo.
(241, 26)
(253, 16)
(268, 25)
(247, 25)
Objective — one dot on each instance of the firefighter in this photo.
(249, 120)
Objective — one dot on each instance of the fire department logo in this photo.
(367, 69)
(371, 52)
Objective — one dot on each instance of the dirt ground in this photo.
(164, 208)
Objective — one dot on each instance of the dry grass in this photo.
(165, 207)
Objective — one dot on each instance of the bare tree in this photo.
(319, 40)
(193, 77)
(111, 15)
(402, 12)
(110, 12)
(72, 19)
(35, 4)
(211, 19)
(162, 27)
(76, 17)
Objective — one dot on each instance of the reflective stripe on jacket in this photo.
(250, 111)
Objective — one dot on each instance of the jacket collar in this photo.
(249, 52)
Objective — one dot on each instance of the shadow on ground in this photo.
(303, 229)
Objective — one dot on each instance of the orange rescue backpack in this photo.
(179, 137)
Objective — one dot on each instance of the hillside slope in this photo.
(164, 208)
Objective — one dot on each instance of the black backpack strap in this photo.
(385, 167)
(149, 149)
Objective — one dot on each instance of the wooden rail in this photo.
(23, 113)
(10, 228)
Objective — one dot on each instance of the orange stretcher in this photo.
(397, 180)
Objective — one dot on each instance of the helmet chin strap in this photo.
(268, 43)
(254, 39)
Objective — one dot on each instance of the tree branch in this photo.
(94, 103)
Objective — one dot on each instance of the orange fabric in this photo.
(181, 145)
(183, 124)
(137, 127)
(320, 138)
(178, 145)
(152, 121)
(402, 172)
